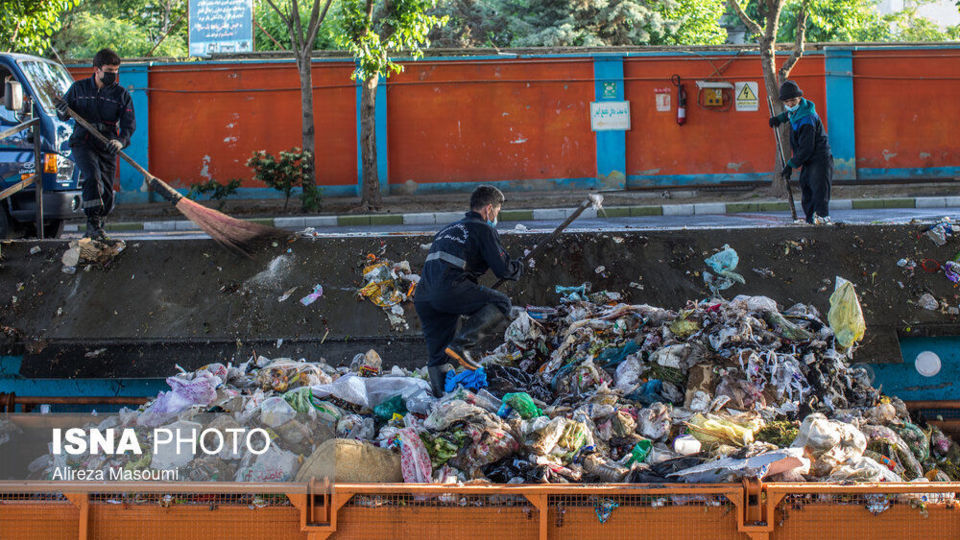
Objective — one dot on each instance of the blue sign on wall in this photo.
(220, 26)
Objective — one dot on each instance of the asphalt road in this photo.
(742, 220)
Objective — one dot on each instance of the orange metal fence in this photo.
(38, 510)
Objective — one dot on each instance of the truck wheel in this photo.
(53, 228)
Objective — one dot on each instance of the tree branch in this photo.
(316, 18)
(797, 44)
(752, 26)
(283, 16)
(297, 30)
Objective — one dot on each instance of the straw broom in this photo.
(241, 237)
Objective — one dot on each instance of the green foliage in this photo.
(851, 20)
(598, 23)
(27, 26)
(371, 29)
(697, 22)
(131, 27)
(268, 19)
(470, 23)
(90, 32)
(311, 197)
(286, 173)
(216, 190)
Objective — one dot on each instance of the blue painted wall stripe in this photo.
(133, 188)
(380, 119)
(611, 145)
(840, 118)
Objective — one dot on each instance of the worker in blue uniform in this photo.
(460, 253)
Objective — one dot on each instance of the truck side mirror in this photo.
(12, 95)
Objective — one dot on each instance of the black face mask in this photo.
(108, 78)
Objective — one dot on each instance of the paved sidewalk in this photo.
(545, 214)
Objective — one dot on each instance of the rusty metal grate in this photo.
(653, 516)
(377, 516)
(857, 516)
(192, 499)
(6, 498)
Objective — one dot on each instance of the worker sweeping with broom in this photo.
(108, 108)
(460, 253)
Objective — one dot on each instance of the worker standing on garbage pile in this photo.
(462, 252)
(811, 152)
(101, 101)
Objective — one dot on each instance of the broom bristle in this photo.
(241, 237)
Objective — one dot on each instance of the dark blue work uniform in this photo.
(811, 153)
(461, 252)
(110, 111)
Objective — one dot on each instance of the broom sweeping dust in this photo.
(241, 237)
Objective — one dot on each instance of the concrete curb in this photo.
(544, 214)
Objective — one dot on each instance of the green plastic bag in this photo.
(394, 405)
(640, 451)
(301, 399)
(845, 316)
(523, 404)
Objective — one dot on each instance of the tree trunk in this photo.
(778, 186)
(371, 198)
(306, 100)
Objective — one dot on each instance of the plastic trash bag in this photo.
(390, 407)
(274, 465)
(284, 374)
(522, 403)
(470, 379)
(829, 442)
(184, 393)
(731, 469)
(370, 392)
(724, 262)
(714, 429)
(354, 426)
(845, 316)
(414, 458)
(654, 421)
(275, 412)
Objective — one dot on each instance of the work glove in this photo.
(114, 146)
(62, 108)
(775, 121)
(787, 173)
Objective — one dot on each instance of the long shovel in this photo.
(594, 200)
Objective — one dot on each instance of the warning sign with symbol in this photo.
(746, 96)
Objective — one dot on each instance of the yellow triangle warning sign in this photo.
(746, 96)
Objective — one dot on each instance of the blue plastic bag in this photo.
(471, 380)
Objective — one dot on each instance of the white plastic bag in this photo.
(275, 412)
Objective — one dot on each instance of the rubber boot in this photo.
(94, 228)
(438, 378)
(473, 330)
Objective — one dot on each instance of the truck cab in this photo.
(40, 81)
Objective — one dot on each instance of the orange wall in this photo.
(905, 116)
(527, 120)
(711, 141)
(535, 124)
(207, 119)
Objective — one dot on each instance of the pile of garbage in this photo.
(591, 390)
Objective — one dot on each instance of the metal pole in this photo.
(38, 171)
